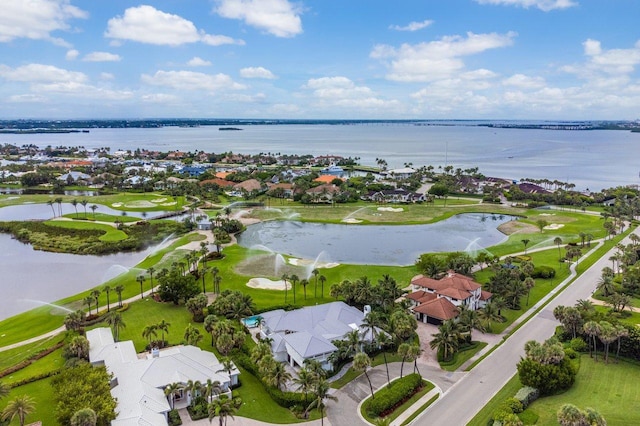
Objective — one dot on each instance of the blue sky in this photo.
(426, 59)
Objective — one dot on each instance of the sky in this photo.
(320, 59)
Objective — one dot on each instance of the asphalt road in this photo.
(470, 394)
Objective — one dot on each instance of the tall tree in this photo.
(558, 242)
(362, 362)
(107, 290)
(141, 279)
(222, 408)
(20, 407)
(84, 417)
(119, 289)
(151, 271)
(315, 273)
(446, 341)
(114, 320)
(321, 393)
(163, 327)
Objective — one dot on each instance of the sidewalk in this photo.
(416, 405)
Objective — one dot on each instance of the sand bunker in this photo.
(390, 209)
(267, 284)
(116, 205)
(554, 226)
(139, 204)
(12, 198)
(173, 203)
(351, 220)
(306, 262)
(547, 214)
(159, 200)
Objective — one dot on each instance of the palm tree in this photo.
(151, 271)
(529, 283)
(403, 352)
(74, 203)
(468, 319)
(361, 362)
(222, 408)
(558, 241)
(84, 417)
(315, 273)
(203, 272)
(89, 302)
(73, 321)
(383, 341)
(322, 280)
(163, 326)
(488, 315)
(150, 332)
(119, 289)
(93, 208)
(621, 332)
(209, 323)
(217, 279)
(592, 329)
(95, 293)
(304, 283)
(171, 390)
(570, 415)
(607, 335)
(605, 284)
(114, 320)
(278, 376)
(84, 204)
(107, 290)
(305, 380)
(141, 279)
(294, 279)
(321, 393)
(285, 277)
(414, 353)
(59, 202)
(195, 389)
(79, 347)
(20, 407)
(525, 242)
(212, 388)
(50, 204)
(446, 340)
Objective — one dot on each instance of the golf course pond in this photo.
(376, 244)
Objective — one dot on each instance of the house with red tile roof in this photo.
(435, 301)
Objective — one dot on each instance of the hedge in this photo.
(387, 397)
(544, 272)
(33, 358)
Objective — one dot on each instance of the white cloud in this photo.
(412, 26)
(146, 24)
(277, 17)
(76, 89)
(198, 62)
(27, 98)
(544, 5)
(524, 81)
(189, 80)
(37, 19)
(159, 98)
(342, 92)
(39, 73)
(256, 72)
(436, 59)
(107, 76)
(101, 57)
(71, 55)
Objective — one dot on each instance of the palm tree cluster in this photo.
(570, 415)
(454, 334)
(151, 331)
(511, 282)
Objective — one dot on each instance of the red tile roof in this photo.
(220, 182)
(439, 308)
(485, 295)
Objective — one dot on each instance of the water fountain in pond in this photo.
(117, 270)
(321, 258)
(162, 244)
(278, 260)
(546, 243)
(41, 303)
(473, 248)
(349, 217)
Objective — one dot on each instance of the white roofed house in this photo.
(308, 333)
(139, 380)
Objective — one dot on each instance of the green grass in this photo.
(111, 234)
(351, 374)
(507, 391)
(14, 356)
(102, 217)
(42, 393)
(130, 201)
(611, 389)
(49, 363)
(626, 317)
(420, 410)
(462, 356)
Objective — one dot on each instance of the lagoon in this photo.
(30, 277)
(376, 244)
(593, 159)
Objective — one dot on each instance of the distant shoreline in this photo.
(72, 126)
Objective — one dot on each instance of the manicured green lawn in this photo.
(14, 356)
(149, 201)
(110, 232)
(462, 356)
(42, 394)
(507, 391)
(102, 217)
(611, 389)
(49, 363)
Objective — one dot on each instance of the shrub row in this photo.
(174, 418)
(508, 411)
(544, 272)
(33, 358)
(34, 378)
(387, 397)
(526, 395)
